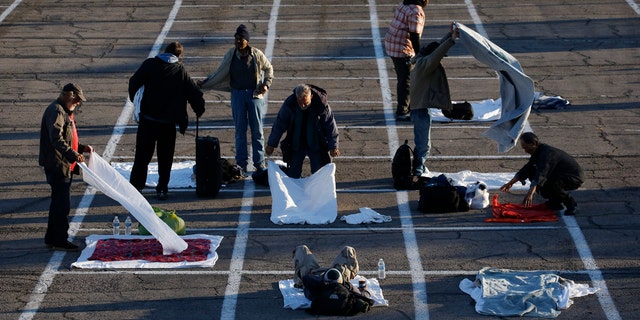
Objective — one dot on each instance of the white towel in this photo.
(366, 215)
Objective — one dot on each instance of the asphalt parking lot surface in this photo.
(584, 51)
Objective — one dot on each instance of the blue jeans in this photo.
(248, 113)
(422, 138)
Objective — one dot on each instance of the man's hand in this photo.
(268, 150)
(528, 199)
(334, 152)
(506, 187)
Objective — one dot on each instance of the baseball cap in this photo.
(76, 89)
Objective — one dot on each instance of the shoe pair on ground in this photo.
(63, 246)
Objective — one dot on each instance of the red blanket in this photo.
(510, 212)
(149, 250)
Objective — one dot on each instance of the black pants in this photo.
(317, 160)
(555, 189)
(149, 134)
(58, 223)
(403, 71)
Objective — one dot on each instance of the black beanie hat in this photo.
(242, 32)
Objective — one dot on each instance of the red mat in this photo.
(509, 212)
(149, 250)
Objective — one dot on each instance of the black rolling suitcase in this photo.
(208, 170)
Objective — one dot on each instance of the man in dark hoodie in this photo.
(167, 89)
(311, 130)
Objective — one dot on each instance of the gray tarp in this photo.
(516, 88)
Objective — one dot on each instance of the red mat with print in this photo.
(148, 249)
(509, 212)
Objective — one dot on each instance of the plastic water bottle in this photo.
(381, 269)
(127, 226)
(116, 226)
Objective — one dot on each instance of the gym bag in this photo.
(460, 111)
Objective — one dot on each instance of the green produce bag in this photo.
(170, 218)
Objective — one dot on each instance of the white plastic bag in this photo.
(137, 101)
(99, 173)
(477, 195)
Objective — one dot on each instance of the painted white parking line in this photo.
(230, 301)
(9, 9)
(421, 307)
(606, 302)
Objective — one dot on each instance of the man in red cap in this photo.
(60, 151)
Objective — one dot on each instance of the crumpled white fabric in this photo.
(100, 174)
(366, 215)
(137, 102)
(503, 292)
(311, 200)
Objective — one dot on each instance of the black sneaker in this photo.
(162, 195)
(64, 246)
(403, 117)
(553, 205)
(571, 211)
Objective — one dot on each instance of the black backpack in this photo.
(460, 111)
(331, 299)
(402, 167)
(440, 196)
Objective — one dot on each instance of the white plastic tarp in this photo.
(311, 200)
(516, 88)
(99, 173)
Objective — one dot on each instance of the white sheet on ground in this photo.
(100, 174)
(181, 173)
(311, 200)
(502, 292)
(483, 111)
(493, 180)
(91, 241)
(294, 298)
(516, 88)
(366, 215)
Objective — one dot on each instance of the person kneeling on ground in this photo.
(551, 171)
(311, 130)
